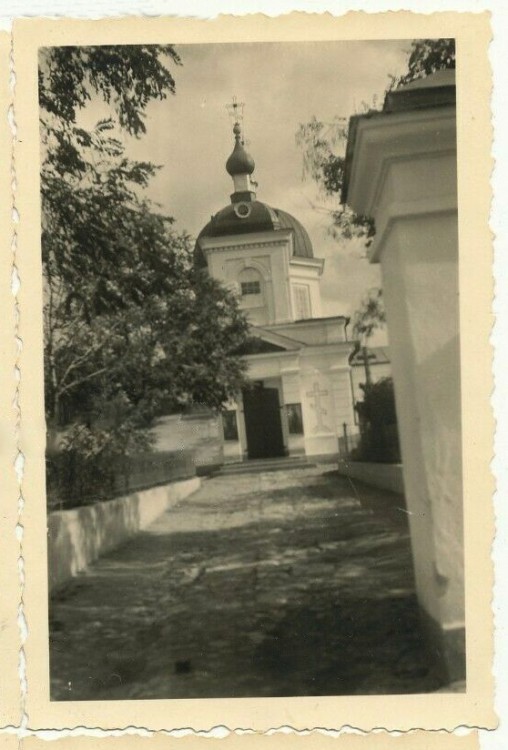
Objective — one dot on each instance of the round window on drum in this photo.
(242, 210)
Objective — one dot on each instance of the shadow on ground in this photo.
(255, 586)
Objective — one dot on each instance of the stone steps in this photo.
(265, 464)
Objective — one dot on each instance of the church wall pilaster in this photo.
(342, 395)
(292, 399)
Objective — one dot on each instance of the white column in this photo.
(291, 392)
(404, 176)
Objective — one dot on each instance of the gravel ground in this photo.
(278, 583)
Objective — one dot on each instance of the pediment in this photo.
(263, 341)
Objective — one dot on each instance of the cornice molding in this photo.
(251, 239)
(404, 210)
(335, 347)
(243, 246)
(382, 141)
(339, 368)
(269, 355)
(290, 371)
(314, 264)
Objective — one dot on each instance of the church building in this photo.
(298, 360)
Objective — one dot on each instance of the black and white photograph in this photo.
(251, 363)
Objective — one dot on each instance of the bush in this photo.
(378, 424)
(93, 465)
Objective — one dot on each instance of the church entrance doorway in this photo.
(263, 426)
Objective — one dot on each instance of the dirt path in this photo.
(264, 584)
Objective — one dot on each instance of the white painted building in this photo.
(401, 169)
(298, 360)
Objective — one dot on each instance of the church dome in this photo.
(301, 240)
(240, 162)
(260, 218)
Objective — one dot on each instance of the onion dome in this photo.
(245, 214)
(240, 162)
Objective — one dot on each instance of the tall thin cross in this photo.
(316, 394)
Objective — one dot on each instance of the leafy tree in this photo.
(426, 57)
(378, 423)
(132, 328)
(126, 76)
(371, 314)
(323, 144)
(368, 318)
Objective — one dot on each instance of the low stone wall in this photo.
(385, 476)
(78, 537)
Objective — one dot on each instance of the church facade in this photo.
(298, 361)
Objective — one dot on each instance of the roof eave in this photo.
(405, 99)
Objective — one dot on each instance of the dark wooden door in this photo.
(261, 410)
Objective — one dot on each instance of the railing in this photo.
(71, 482)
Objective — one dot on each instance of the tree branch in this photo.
(92, 375)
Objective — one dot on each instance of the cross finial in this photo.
(235, 110)
(240, 164)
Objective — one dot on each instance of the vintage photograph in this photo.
(254, 306)
(251, 369)
(252, 378)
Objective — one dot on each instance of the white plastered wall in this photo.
(323, 371)
(326, 397)
(266, 252)
(404, 175)
(308, 275)
(419, 270)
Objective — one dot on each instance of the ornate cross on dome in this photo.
(235, 110)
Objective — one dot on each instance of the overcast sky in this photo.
(282, 85)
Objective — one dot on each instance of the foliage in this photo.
(368, 318)
(126, 76)
(371, 314)
(378, 423)
(426, 57)
(323, 144)
(86, 462)
(319, 143)
(131, 327)
(378, 403)
(92, 465)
